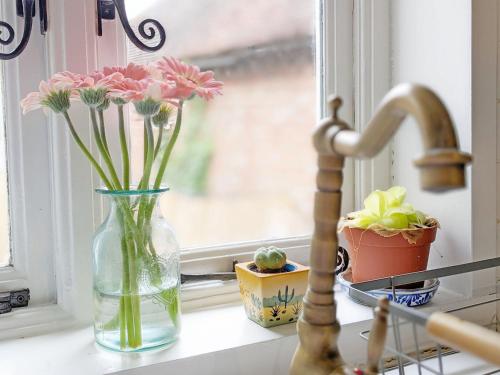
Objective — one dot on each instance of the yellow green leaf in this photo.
(376, 203)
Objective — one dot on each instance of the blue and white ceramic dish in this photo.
(408, 297)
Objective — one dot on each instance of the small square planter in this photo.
(272, 299)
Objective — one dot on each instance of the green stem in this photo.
(102, 150)
(145, 150)
(124, 148)
(123, 323)
(170, 147)
(102, 129)
(130, 308)
(158, 143)
(163, 165)
(149, 153)
(164, 162)
(86, 152)
(135, 298)
(126, 324)
(144, 201)
(130, 288)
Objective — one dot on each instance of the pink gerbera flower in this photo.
(188, 79)
(95, 80)
(131, 90)
(147, 93)
(131, 71)
(55, 94)
(92, 88)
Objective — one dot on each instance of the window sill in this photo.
(207, 335)
(24, 322)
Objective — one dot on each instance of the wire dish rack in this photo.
(406, 340)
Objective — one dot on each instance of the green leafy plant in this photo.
(387, 209)
(270, 259)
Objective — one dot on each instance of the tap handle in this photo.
(376, 341)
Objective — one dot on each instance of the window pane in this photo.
(243, 168)
(4, 210)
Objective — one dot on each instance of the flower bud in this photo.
(161, 118)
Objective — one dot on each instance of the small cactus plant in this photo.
(270, 259)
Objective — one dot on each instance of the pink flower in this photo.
(93, 88)
(188, 79)
(31, 102)
(54, 93)
(94, 80)
(131, 90)
(131, 71)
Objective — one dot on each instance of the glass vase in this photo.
(136, 274)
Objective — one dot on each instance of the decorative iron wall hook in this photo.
(147, 28)
(25, 9)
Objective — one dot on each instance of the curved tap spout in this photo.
(442, 166)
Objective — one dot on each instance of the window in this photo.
(254, 171)
(233, 177)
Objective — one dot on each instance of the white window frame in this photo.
(29, 171)
(72, 44)
(75, 46)
(63, 235)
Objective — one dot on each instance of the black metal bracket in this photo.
(14, 299)
(25, 9)
(106, 10)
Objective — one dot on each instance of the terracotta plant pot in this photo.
(374, 256)
(272, 299)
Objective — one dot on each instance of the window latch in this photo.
(13, 299)
(219, 276)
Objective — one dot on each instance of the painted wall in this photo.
(434, 43)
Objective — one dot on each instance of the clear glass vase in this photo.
(136, 274)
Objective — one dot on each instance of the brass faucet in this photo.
(441, 168)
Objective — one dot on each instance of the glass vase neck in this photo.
(132, 193)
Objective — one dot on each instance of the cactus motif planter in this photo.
(272, 299)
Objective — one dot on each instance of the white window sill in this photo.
(219, 336)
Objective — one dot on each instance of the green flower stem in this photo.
(145, 147)
(135, 300)
(102, 130)
(164, 162)
(124, 148)
(126, 292)
(128, 216)
(125, 327)
(149, 153)
(158, 142)
(130, 289)
(86, 152)
(127, 330)
(129, 314)
(144, 201)
(170, 146)
(102, 150)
